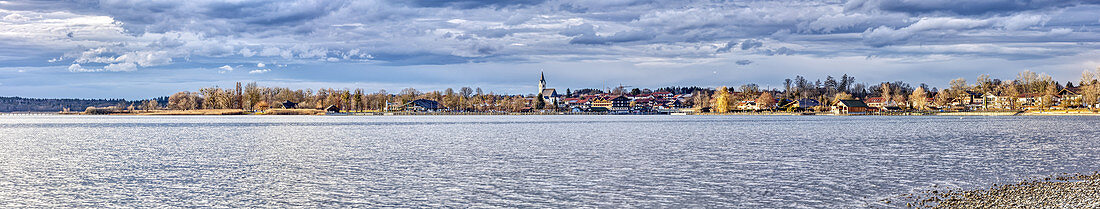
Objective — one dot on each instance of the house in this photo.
(850, 107)
(806, 103)
(422, 105)
(879, 102)
(971, 100)
(1068, 97)
(662, 94)
(289, 105)
(747, 105)
(600, 102)
(332, 108)
(620, 103)
(992, 101)
(1030, 100)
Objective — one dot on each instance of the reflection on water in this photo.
(523, 161)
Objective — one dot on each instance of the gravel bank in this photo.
(1061, 191)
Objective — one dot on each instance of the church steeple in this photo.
(542, 81)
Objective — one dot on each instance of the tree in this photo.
(831, 86)
(1012, 92)
(261, 106)
(184, 100)
(618, 90)
(766, 100)
(635, 91)
(887, 93)
(466, 92)
(1048, 96)
(539, 104)
(722, 99)
(919, 99)
(238, 97)
(357, 98)
(943, 98)
(150, 105)
(959, 86)
(252, 95)
(1087, 77)
(983, 84)
(751, 89)
(842, 96)
(700, 99)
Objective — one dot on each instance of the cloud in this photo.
(1060, 31)
(116, 67)
(958, 7)
(120, 67)
(77, 68)
(779, 51)
(246, 52)
(625, 36)
(146, 58)
(1019, 22)
(750, 44)
(260, 65)
(225, 68)
(727, 47)
(469, 4)
(883, 36)
(16, 18)
(464, 35)
(259, 71)
(744, 62)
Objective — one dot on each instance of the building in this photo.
(289, 105)
(850, 107)
(879, 102)
(549, 95)
(332, 108)
(617, 103)
(422, 105)
(620, 103)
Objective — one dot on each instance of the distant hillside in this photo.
(18, 104)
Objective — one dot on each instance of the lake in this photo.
(523, 161)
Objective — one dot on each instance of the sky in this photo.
(136, 49)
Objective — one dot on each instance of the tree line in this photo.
(253, 97)
(904, 95)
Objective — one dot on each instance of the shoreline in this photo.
(1055, 191)
(378, 113)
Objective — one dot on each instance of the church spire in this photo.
(542, 81)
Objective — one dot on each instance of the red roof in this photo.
(876, 100)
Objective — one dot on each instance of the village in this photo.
(726, 100)
(1029, 93)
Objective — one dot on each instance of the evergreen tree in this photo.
(539, 104)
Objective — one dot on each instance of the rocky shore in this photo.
(1060, 191)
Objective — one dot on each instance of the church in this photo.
(549, 95)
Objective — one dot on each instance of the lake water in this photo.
(523, 161)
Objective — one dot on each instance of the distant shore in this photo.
(1059, 191)
(381, 113)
